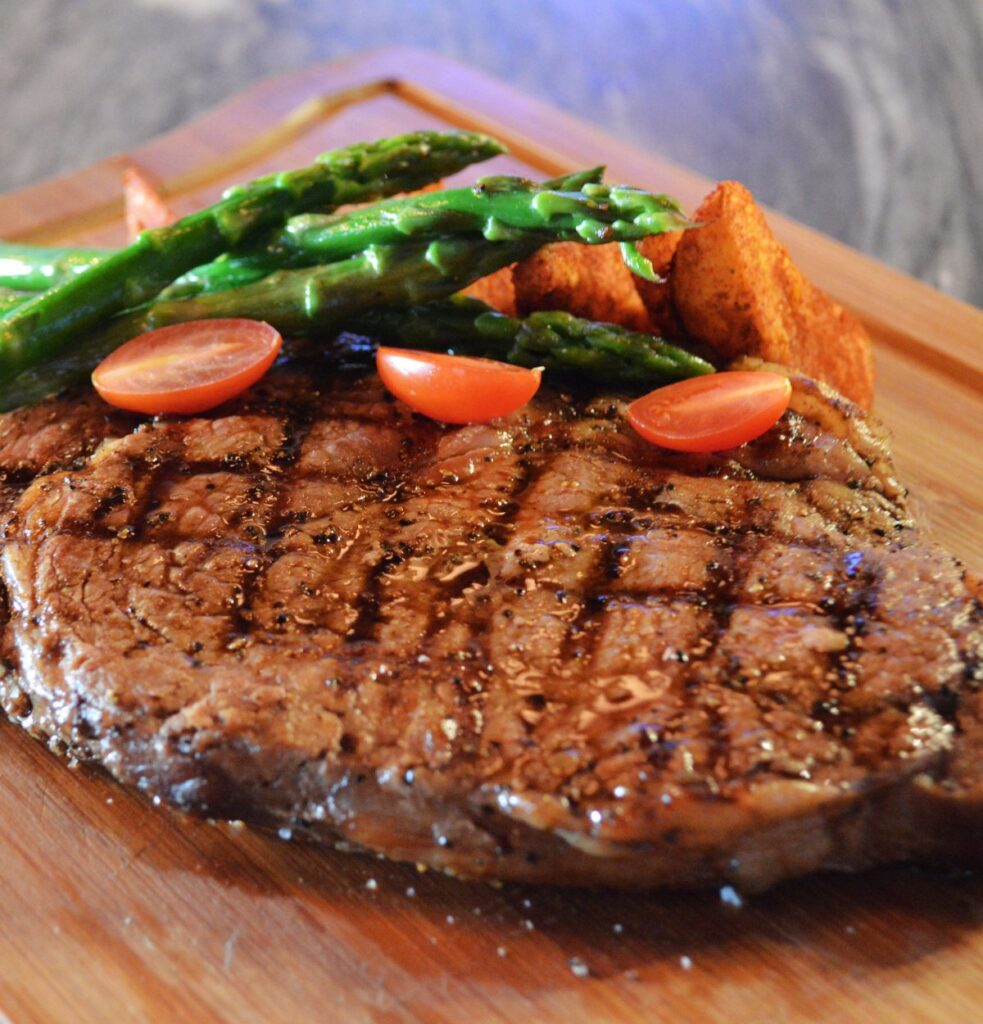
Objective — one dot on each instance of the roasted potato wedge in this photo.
(657, 296)
(497, 289)
(591, 281)
(736, 289)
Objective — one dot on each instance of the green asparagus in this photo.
(498, 208)
(36, 268)
(236, 270)
(495, 208)
(10, 299)
(605, 353)
(558, 341)
(42, 328)
(296, 302)
(314, 299)
(317, 298)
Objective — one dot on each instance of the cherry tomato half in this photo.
(707, 414)
(455, 389)
(187, 368)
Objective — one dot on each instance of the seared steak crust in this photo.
(539, 649)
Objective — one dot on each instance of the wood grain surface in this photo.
(114, 910)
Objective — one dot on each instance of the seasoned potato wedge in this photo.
(657, 297)
(497, 289)
(736, 289)
(590, 281)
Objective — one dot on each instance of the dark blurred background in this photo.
(863, 118)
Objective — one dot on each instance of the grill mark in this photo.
(526, 475)
(477, 576)
(971, 660)
(4, 618)
(390, 492)
(645, 495)
(297, 423)
(853, 613)
(480, 613)
(368, 605)
(583, 632)
(24, 476)
(148, 470)
(719, 736)
(947, 700)
(614, 557)
(296, 427)
(608, 567)
(501, 528)
(850, 610)
(727, 582)
(852, 617)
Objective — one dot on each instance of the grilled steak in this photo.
(539, 650)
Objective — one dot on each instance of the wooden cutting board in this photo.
(113, 910)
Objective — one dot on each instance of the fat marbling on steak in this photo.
(539, 649)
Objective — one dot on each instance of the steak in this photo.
(539, 649)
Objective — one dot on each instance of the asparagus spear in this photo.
(308, 239)
(314, 299)
(37, 268)
(493, 208)
(41, 328)
(498, 208)
(11, 299)
(326, 298)
(299, 301)
(603, 352)
(296, 302)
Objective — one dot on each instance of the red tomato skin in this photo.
(122, 379)
(455, 389)
(711, 413)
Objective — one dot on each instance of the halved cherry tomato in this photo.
(455, 389)
(707, 414)
(187, 368)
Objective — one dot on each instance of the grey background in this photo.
(863, 118)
